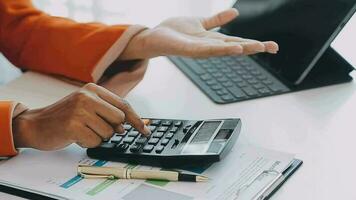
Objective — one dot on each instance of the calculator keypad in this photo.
(132, 141)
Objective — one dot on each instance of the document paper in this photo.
(54, 174)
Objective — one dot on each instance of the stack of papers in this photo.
(240, 175)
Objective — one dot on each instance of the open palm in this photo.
(192, 37)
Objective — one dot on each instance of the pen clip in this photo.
(93, 176)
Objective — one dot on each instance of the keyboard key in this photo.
(205, 77)
(255, 72)
(261, 77)
(250, 91)
(158, 134)
(211, 82)
(162, 129)
(267, 82)
(222, 92)
(222, 79)
(133, 134)
(169, 135)
(228, 97)
(237, 92)
(242, 84)
(148, 148)
(246, 76)
(252, 81)
(228, 84)
(127, 127)
(135, 148)
(258, 86)
(167, 123)
(264, 91)
(116, 139)
(159, 149)
(128, 140)
(152, 128)
(275, 88)
(216, 87)
(217, 75)
(153, 141)
(165, 142)
(122, 147)
(107, 145)
(173, 130)
(141, 140)
(155, 122)
(237, 79)
(178, 124)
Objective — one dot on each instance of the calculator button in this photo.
(159, 149)
(166, 123)
(152, 128)
(165, 142)
(155, 122)
(128, 140)
(162, 129)
(107, 145)
(127, 127)
(178, 124)
(157, 134)
(116, 139)
(153, 141)
(133, 134)
(121, 134)
(174, 130)
(141, 140)
(169, 135)
(122, 147)
(148, 148)
(135, 148)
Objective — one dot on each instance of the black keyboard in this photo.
(173, 143)
(230, 79)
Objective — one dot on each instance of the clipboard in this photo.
(273, 181)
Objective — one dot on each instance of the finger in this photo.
(87, 138)
(204, 49)
(109, 113)
(120, 129)
(130, 115)
(220, 19)
(100, 127)
(252, 47)
(271, 47)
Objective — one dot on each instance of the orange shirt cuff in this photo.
(7, 147)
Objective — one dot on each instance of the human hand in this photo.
(85, 117)
(189, 36)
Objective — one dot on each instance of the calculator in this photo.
(173, 143)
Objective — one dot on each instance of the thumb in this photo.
(220, 19)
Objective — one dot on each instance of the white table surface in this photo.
(317, 125)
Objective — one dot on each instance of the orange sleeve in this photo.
(7, 147)
(33, 40)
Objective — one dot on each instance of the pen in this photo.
(125, 173)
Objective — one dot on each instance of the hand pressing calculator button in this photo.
(173, 143)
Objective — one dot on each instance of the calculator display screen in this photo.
(200, 143)
(205, 132)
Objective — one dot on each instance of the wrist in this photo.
(136, 47)
(22, 128)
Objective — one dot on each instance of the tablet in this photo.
(304, 29)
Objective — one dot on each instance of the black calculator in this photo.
(173, 143)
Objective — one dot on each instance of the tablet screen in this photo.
(304, 29)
